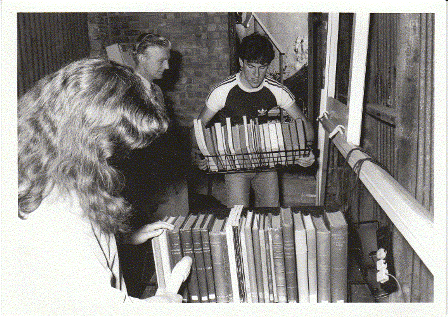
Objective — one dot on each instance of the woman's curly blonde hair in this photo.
(72, 126)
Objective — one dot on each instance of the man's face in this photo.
(155, 61)
(252, 74)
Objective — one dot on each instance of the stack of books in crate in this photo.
(261, 255)
(251, 145)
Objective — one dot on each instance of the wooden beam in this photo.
(327, 91)
(357, 76)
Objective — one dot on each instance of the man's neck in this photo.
(141, 71)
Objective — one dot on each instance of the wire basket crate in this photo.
(246, 162)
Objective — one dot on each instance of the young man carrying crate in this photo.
(250, 93)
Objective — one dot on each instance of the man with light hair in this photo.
(152, 54)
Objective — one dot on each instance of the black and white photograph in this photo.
(217, 159)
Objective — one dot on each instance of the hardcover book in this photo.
(279, 260)
(312, 257)
(253, 291)
(187, 247)
(272, 279)
(338, 255)
(301, 258)
(257, 256)
(218, 260)
(289, 253)
(323, 260)
(205, 236)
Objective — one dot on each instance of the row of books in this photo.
(268, 255)
(251, 145)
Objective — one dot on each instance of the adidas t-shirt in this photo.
(230, 99)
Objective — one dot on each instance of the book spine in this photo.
(323, 267)
(175, 247)
(247, 142)
(274, 144)
(279, 264)
(290, 261)
(227, 275)
(338, 266)
(158, 262)
(187, 247)
(264, 260)
(251, 265)
(208, 265)
(244, 150)
(288, 144)
(294, 140)
(301, 135)
(165, 253)
(231, 143)
(200, 265)
(219, 160)
(271, 271)
(232, 259)
(258, 263)
(312, 266)
(301, 259)
(241, 278)
(281, 143)
(217, 254)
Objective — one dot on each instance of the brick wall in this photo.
(199, 41)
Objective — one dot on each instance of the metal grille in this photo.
(46, 42)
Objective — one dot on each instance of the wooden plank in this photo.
(357, 77)
(327, 91)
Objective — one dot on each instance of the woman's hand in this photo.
(165, 298)
(169, 294)
(149, 231)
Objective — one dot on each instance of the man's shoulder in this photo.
(226, 83)
(277, 87)
(270, 82)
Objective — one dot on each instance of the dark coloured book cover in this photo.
(338, 255)
(199, 258)
(176, 248)
(290, 254)
(174, 241)
(187, 248)
(205, 231)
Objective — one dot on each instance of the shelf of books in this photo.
(251, 146)
(261, 255)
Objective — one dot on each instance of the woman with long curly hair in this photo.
(74, 127)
